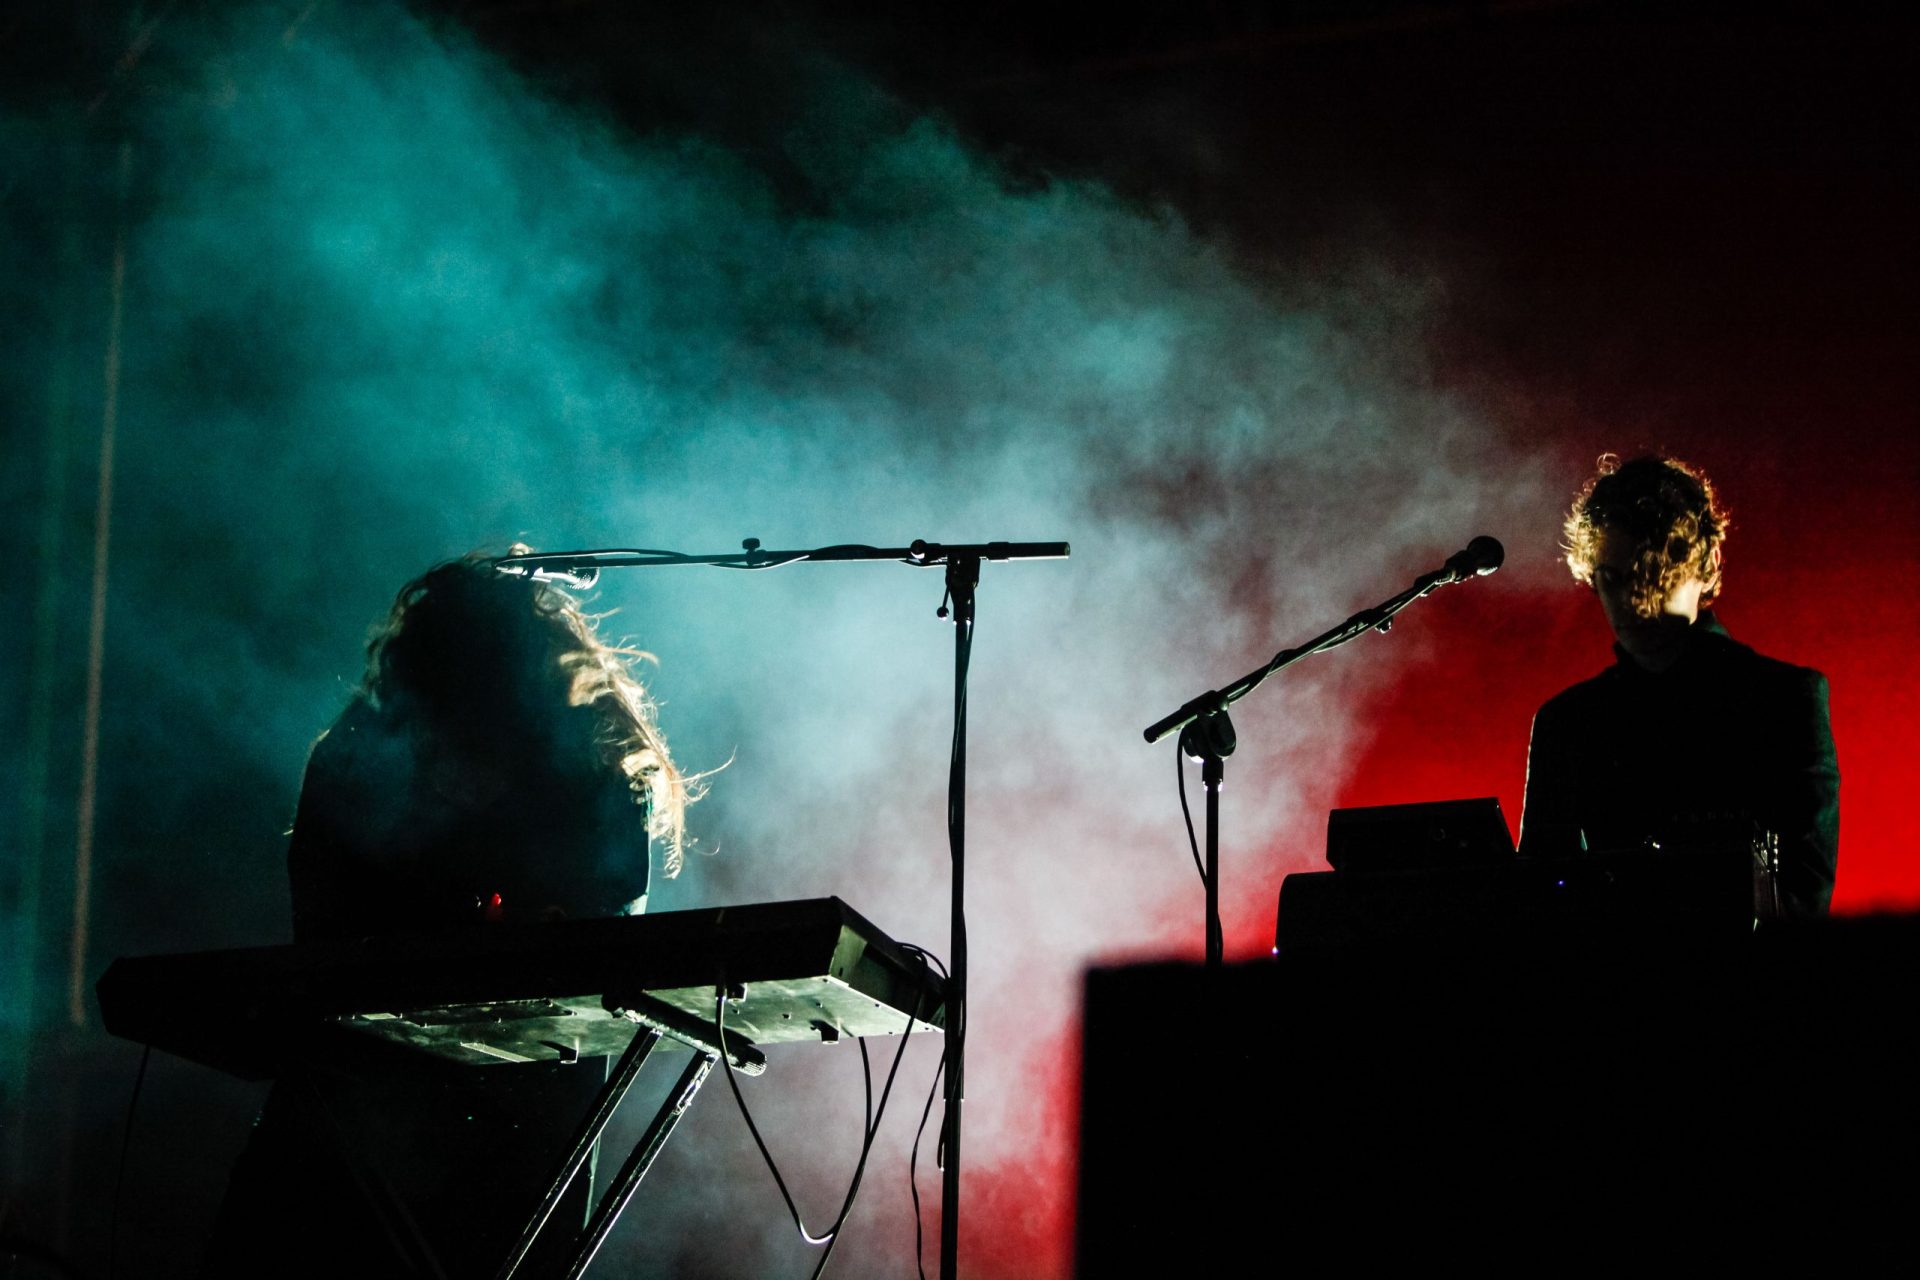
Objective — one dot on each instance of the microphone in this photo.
(579, 577)
(1478, 559)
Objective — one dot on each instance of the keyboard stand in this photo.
(656, 1022)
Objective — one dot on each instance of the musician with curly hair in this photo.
(499, 761)
(1689, 731)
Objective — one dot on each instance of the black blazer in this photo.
(1724, 733)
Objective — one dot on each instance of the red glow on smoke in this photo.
(1017, 1215)
(1811, 564)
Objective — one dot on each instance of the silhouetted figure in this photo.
(1688, 732)
(498, 762)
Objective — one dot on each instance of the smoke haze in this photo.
(387, 300)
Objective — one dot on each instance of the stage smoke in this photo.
(388, 301)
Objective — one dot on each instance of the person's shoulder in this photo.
(1758, 668)
(360, 741)
(1576, 698)
(357, 719)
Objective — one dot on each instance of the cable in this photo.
(874, 1115)
(726, 1059)
(120, 1178)
(833, 1237)
(913, 1161)
(1193, 843)
(913, 1166)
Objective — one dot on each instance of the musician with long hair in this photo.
(499, 761)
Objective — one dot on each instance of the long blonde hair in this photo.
(483, 655)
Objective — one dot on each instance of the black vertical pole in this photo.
(963, 575)
(1212, 771)
(1209, 738)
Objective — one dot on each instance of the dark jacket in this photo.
(399, 833)
(1724, 733)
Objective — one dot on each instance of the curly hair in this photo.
(1670, 513)
(482, 656)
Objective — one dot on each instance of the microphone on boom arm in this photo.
(577, 576)
(1478, 559)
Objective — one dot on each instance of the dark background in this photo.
(1582, 227)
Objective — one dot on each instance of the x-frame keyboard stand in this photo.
(706, 1052)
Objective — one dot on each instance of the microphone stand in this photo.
(1207, 734)
(580, 569)
(963, 576)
